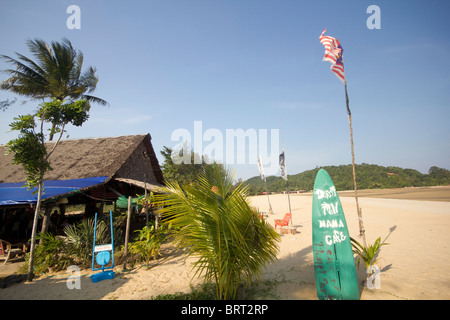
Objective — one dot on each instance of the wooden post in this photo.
(270, 205)
(127, 231)
(146, 205)
(102, 202)
(362, 231)
(46, 220)
(285, 168)
(289, 197)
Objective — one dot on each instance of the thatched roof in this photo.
(127, 157)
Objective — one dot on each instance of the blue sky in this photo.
(253, 64)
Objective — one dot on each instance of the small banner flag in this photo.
(261, 169)
(283, 172)
(333, 54)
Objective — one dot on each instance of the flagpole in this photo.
(263, 177)
(285, 168)
(287, 185)
(333, 54)
(268, 198)
(362, 231)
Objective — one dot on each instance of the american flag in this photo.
(333, 54)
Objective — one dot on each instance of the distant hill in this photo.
(368, 176)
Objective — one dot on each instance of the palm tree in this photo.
(217, 225)
(56, 74)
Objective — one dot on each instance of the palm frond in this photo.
(368, 254)
(95, 99)
(56, 72)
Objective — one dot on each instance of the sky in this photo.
(204, 69)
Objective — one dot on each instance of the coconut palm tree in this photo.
(217, 225)
(56, 73)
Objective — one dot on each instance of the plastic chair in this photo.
(283, 222)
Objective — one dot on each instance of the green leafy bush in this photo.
(79, 240)
(50, 253)
(72, 248)
(148, 242)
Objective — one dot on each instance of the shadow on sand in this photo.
(65, 287)
(292, 277)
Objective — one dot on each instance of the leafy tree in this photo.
(30, 151)
(56, 73)
(183, 173)
(438, 175)
(217, 225)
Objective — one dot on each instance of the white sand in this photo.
(415, 264)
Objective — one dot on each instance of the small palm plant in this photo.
(80, 239)
(148, 242)
(369, 253)
(216, 223)
(50, 253)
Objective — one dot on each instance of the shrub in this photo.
(367, 254)
(217, 224)
(73, 248)
(79, 239)
(148, 242)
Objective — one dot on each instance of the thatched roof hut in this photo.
(108, 168)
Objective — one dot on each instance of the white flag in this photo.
(261, 169)
(283, 171)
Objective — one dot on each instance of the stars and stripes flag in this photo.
(333, 54)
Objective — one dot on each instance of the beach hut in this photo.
(85, 171)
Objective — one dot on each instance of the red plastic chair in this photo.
(283, 222)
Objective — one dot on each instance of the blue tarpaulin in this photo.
(16, 193)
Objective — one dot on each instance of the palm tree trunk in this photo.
(33, 233)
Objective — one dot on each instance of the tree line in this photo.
(368, 176)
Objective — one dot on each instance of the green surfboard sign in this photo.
(334, 265)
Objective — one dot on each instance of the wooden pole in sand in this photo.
(285, 171)
(362, 231)
(146, 201)
(263, 177)
(270, 205)
(127, 231)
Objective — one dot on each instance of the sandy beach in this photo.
(415, 264)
